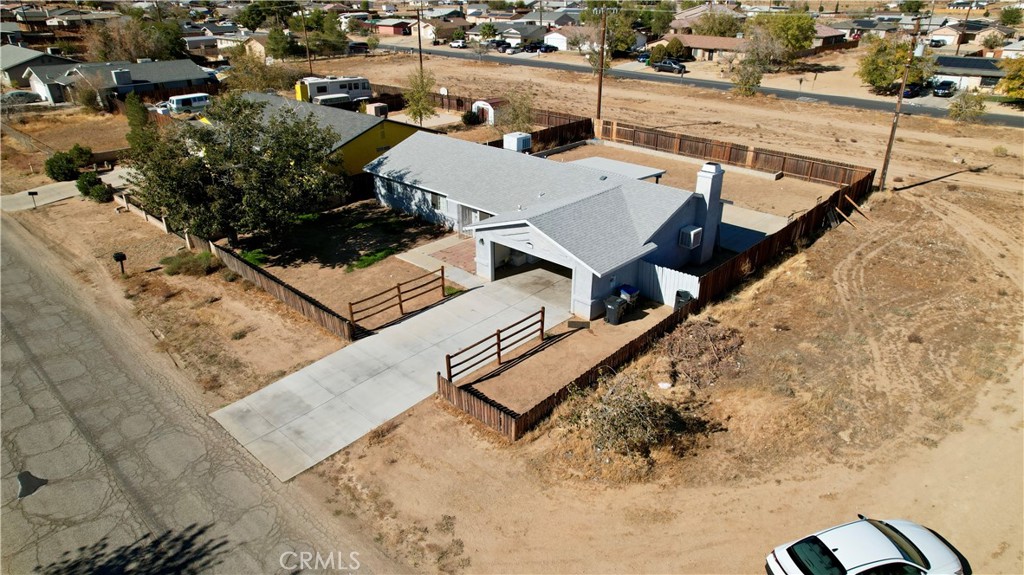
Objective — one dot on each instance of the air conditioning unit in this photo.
(689, 236)
(517, 142)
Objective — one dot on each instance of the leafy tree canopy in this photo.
(254, 15)
(419, 104)
(242, 174)
(885, 60)
(792, 31)
(1011, 16)
(717, 24)
(1013, 83)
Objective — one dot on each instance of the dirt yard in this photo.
(880, 370)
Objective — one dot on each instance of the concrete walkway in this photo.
(313, 413)
(421, 257)
(56, 192)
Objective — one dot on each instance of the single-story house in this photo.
(256, 46)
(443, 29)
(10, 33)
(683, 21)
(361, 137)
(968, 72)
(549, 18)
(14, 60)
(855, 29)
(54, 83)
(517, 34)
(926, 23)
(1014, 50)
(393, 27)
(599, 225)
(201, 45)
(220, 29)
(85, 19)
(441, 13)
(970, 31)
(706, 47)
(827, 36)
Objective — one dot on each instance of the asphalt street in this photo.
(1012, 120)
(136, 471)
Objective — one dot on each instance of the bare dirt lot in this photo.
(880, 369)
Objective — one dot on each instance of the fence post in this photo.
(164, 220)
(442, 282)
(188, 239)
(351, 314)
(401, 310)
(497, 334)
(448, 366)
(541, 338)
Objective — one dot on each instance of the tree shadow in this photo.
(812, 68)
(189, 550)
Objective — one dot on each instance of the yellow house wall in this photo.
(372, 143)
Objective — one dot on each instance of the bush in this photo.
(470, 118)
(967, 107)
(621, 417)
(61, 167)
(1000, 151)
(91, 186)
(658, 53)
(82, 155)
(255, 257)
(190, 264)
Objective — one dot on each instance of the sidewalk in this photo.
(56, 192)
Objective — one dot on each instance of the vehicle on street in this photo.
(945, 89)
(20, 97)
(913, 91)
(673, 66)
(533, 47)
(358, 48)
(936, 43)
(547, 48)
(643, 57)
(869, 547)
(458, 44)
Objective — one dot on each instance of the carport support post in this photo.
(497, 334)
(442, 282)
(541, 338)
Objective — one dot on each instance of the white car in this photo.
(458, 44)
(869, 547)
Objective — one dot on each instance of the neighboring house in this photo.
(968, 72)
(443, 29)
(598, 224)
(190, 29)
(14, 60)
(10, 33)
(82, 20)
(970, 31)
(56, 83)
(393, 27)
(684, 21)
(550, 19)
(855, 29)
(827, 36)
(521, 34)
(441, 13)
(220, 29)
(361, 137)
(706, 47)
(927, 24)
(1014, 50)
(256, 46)
(201, 45)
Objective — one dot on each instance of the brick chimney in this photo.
(709, 215)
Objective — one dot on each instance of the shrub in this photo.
(61, 167)
(91, 186)
(621, 417)
(470, 118)
(658, 53)
(228, 275)
(81, 155)
(1000, 151)
(255, 257)
(967, 107)
(190, 264)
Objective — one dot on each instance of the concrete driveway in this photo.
(313, 413)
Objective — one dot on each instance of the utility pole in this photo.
(899, 103)
(419, 38)
(964, 30)
(305, 38)
(600, 64)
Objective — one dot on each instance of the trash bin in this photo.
(614, 308)
(683, 299)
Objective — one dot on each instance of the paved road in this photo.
(1012, 120)
(127, 447)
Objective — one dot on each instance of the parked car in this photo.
(913, 91)
(497, 43)
(533, 47)
(546, 48)
(869, 546)
(20, 97)
(358, 48)
(458, 44)
(669, 66)
(513, 50)
(937, 43)
(945, 89)
(643, 57)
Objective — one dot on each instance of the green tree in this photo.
(658, 53)
(458, 34)
(488, 31)
(419, 103)
(142, 131)
(661, 17)
(275, 11)
(792, 32)
(246, 173)
(1011, 16)
(620, 34)
(967, 107)
(61, 167)
(131, 39)
(1013, 83)
(885, 60)
(746, 77)
(717, 24)
(675, 48)
(594, 59)
(992, 41)
(80, 155)
(279, 44)
(251, 74)
(373, 41)
(912, 6)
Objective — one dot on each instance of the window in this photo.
(435, 200)
(321, 89)
(812, 556)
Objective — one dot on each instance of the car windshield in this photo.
(908, 550)
(815, 558)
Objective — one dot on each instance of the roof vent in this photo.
(603, 178)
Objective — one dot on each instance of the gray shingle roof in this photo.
(605, 220)
(142, 72)
(348, 125)
(11, 55)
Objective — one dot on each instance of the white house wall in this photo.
(669, 253)
(412, 200)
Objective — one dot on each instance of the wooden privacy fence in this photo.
(396, 296)
(793, 165)
(497, 343)
(558, 135)
(293, 298)
(394, 98)
(514, 425)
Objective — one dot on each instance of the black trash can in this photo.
(615, 307)
(683, 299)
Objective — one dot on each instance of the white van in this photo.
(188, 103)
